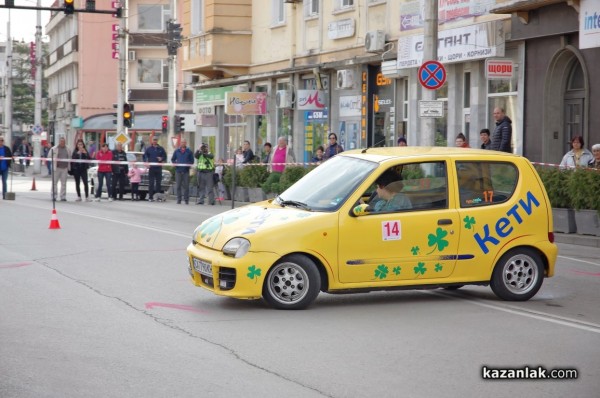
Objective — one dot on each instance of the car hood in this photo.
(253, 222)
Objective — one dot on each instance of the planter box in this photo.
(564, 220)
(241, 194)
(256, 195)
(588, 222)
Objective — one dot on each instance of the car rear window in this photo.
(485, 183)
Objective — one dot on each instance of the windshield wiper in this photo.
(294, 203)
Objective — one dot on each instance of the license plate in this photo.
(203, 267)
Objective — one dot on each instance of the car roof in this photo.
(382, 154)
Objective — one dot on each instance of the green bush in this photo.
(582, 186)
(271, 184)
(252, 176)
(556, 182)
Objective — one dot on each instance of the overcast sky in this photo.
(23, 22)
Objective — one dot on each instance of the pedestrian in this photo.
(92, 149)
(266, 152)
(402, 141)
(333, 148)
(282, 155)
(578, 156)
(595, 162)
(48, 161)
(61, 155)
(154, 154)
(104, 171)
(461, 141)
(501, 139)
(5, 160)
(135, 177)
(119, 171)
(239, 157)
(247, 152)
(484, 135)
(318, 158)
(205, 170)
(25, 151)
(79, 169)
(219, 168)
(184, 159)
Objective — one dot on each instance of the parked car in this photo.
(143, 187)
(464, 217)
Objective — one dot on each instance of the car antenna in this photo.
(369, 147)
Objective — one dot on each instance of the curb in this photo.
(576, 239)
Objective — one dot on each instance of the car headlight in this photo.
(236, 247)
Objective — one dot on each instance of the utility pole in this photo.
(172, 60)
(37, 116)
(8, 108)
(430, 42)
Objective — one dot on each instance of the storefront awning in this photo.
(141, 122)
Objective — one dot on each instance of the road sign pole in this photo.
(427, 136)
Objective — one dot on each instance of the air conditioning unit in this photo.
(345, 78)
(131, 55)
(284, 99)
(375, 41)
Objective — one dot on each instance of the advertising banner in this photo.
(311, 100)
(245, 103)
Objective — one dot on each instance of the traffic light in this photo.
(127, 115)
(115, 115)
(179, 124)
(173, 37)
(165, 124)
(69, 7)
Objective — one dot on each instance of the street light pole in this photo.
(37, 116)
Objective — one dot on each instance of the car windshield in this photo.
(328, 186)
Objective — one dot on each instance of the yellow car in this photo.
(384, 219)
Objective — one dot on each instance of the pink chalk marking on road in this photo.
(586, 273)
(183, 307)
(15, 265)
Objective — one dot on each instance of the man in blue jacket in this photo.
(184, 159)
(154, 154)
(4, 165)
(502, 136)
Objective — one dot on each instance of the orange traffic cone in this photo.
(33, 185)
(54, 224)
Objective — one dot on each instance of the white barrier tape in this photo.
(127, 162)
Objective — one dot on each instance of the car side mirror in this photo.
(360, 210)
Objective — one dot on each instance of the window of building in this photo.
(197, 17)
(485, 183)
(153, 71)
(343, 4)
(278, 9)
(153, 17)
(311, 8)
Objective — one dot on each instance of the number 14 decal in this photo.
(391, 230)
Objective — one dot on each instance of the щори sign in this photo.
(432, 75)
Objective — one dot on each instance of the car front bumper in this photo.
(233, 277)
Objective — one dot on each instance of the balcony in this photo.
(219, 54)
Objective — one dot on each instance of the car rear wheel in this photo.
(518, 275)
(292, 284)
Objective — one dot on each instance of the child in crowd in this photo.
(135, 177)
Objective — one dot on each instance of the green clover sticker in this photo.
(381, 271)
(438, 267)
(415, 250)
(254, 273)
(420, 269)
(469, 222)
(397, 270)
(437, 241)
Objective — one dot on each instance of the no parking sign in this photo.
(432, 75)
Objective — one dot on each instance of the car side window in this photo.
(413, 186)
(485, 183)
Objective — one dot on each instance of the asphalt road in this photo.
(103, 308)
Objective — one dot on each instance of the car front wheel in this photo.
(293, 283)
(518, 275)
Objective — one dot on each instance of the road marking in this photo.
(541, 316)
(581, 261)
(585, 273)
(183, 307)
(15, 265)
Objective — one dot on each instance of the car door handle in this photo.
(445, 221)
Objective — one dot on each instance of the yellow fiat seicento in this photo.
(384, 219)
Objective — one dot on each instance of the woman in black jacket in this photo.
(79, 170)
